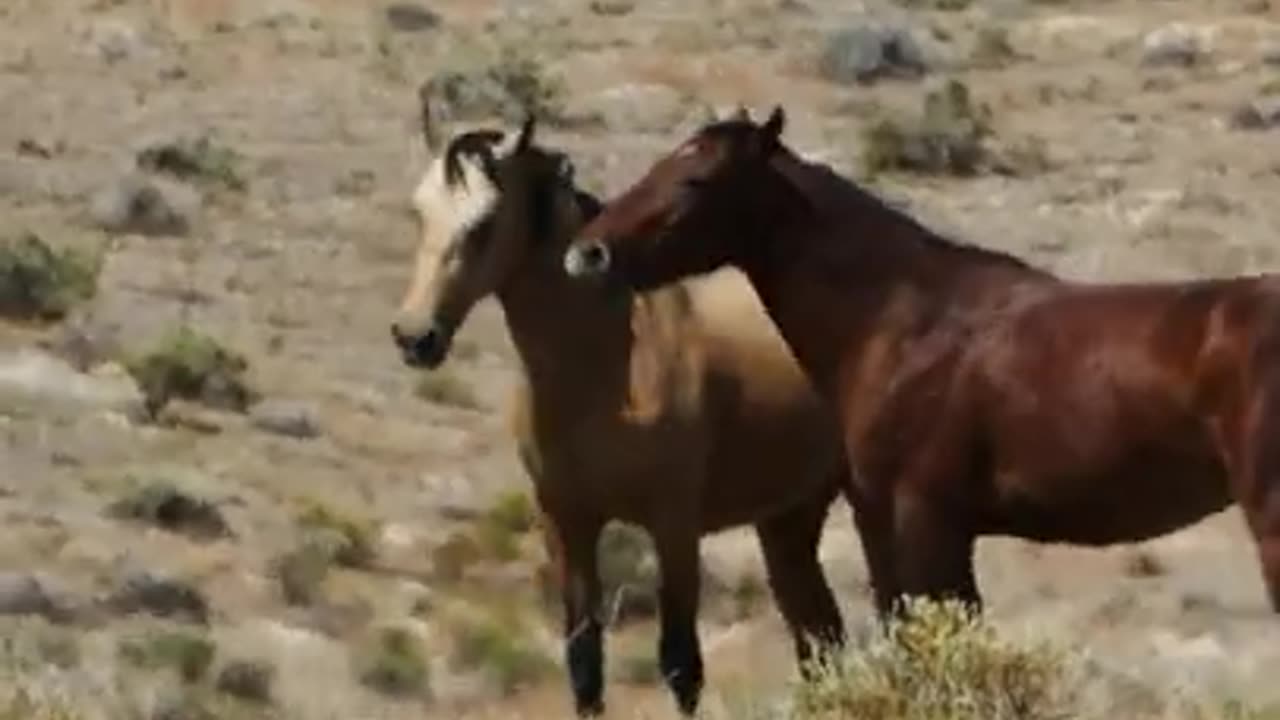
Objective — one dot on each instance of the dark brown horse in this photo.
(680, 410)
(978, 395)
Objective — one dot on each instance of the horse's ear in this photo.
(527, 131)
(741, 114)
(430, 128)
(771, 131)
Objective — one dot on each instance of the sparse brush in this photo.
(499, 645)
(357, 547)
(189, 654)
(163, 505)
(303, 570)
(190, 365)
(451, 558)
(940, 661)
(202, 159)
(41, 283)
(393, 663)
(445, 388)
(629, 571)
(249, 680)
(946, 138)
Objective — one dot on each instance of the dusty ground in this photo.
(1146, 179)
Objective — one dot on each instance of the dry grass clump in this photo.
(190, 365)
(946, 138)
(442, 387)
(940, 661)
(500, 644)
(393, 663)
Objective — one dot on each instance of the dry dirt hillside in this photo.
(208, 200)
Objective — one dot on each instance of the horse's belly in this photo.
(1128, 503)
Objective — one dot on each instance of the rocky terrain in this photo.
(222, 493)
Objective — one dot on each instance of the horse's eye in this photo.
(695, 183)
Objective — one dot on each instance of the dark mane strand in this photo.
(477, 144)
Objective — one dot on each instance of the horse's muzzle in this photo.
(426, 350)
(587, 260)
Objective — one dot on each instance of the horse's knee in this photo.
(933, 554)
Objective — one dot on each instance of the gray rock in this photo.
(144, 592)
(1172, 45)
(114, 40)
(38, 379)
(1271, 54)
(135, 204)
(638, 107)
(1261, 114)
(24, 594)
(284, 418)
(408, 17)
(863, 53)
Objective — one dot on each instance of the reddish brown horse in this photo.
(680, 410)
(978, 395)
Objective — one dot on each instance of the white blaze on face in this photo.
(446, 214)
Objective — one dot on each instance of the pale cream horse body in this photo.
(681, 411)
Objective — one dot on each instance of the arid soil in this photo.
(1129, 165)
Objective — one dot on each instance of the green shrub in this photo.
(190, 365)
(41, 283)
(499, 645)
(161, 504)
(188, 653)
(356, 545)
(393, 664)
(201, 159)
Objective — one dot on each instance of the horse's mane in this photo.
(827, 181)
(477, 144)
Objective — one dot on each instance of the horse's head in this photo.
(686, 214)
(484, 198)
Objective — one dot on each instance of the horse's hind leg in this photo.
(789, 541)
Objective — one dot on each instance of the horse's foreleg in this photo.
(580, 587)
(789, 542)
(933, 550)
(873, 518)
(679, 654)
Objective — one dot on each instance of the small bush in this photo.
(450, 559)
(249, 680)
(17, 703)
(190, 365)
(161, 504)
(357, 547)
(302, 571)
(513, 511)
(629, 571)
(393, 664)
(38, 282)
(940, 661)
(202, 160)
(945, 5)
(947, 138)
(444, 388)
(509, 84)
(189, 654)
(499, 646)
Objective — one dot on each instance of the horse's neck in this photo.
(840, 272)
(574, 343)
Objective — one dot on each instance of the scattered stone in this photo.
(115, 40)
(30, 147)
(135, 204)
(408, 17)
(638, 107)
(1271, 54)
(166, 507)
(1172, 45)
(864, 53)
(286, 419)
(25, 594)
(35, 378)
(144, 592)
(1262, 114)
